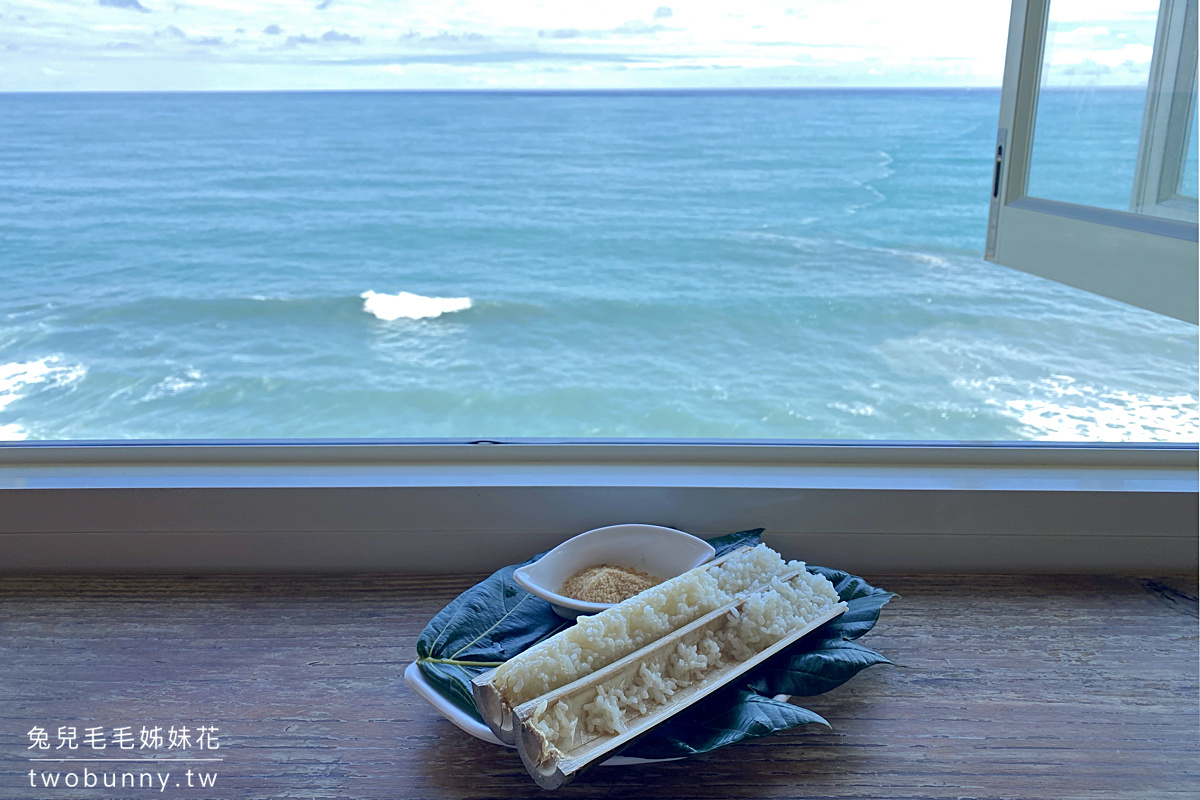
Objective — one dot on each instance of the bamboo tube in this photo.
(551, 766)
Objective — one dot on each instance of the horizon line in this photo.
(571, 90)
(545, 90)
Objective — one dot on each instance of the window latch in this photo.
(996, 174)
(989, 251)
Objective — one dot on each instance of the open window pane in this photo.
(1115, 106)
(1091, 102)
(1163, 150)
(1191, 171)
(1063, 203)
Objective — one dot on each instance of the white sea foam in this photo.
(18, 377)
(857, 408)
(1013, 378)
(1073, 412)
(913, 255)
(876, 198)
(812, 243)
(174, 385)
(406, 305)
(13, 433)
(885, 171)
(798, 242)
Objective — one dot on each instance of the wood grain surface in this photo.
(1024, 687)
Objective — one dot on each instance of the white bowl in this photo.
(664, 552)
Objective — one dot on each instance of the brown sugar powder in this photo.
(607, 584)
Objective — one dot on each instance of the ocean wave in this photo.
(174, 385)
(1014, 379)
(13, 433)
(857, 408)
(806, 243)
(809, 244)
(913, 255)
(1059, 408)
(876, 198)
(406, 305)
(18, 377)
(1073, 412)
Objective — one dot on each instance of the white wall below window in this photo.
(456, 507)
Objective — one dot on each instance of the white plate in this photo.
(665, 552)
(444, 706)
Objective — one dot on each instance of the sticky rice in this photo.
(597, 641)
(762, 618)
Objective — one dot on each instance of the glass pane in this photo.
(1190, 177)
(670, 257)
(1092, 100)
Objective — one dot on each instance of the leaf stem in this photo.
(458, 663)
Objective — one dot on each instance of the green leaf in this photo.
(863, 604)
(728, 716)
(849, 587)
(492, 621)
(809, 668)
(487, 624)
(732, 541)
(861, 615)
(454, 681)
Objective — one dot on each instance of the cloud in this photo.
(470, 43)
(1093, 72)
(173, 32)
(1087, 68)
(132, 5)
(444, 37)
(634, 27)
(327, 36)
(490, 57)
(637, 27)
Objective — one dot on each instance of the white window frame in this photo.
(459, 506)
(1146, 261)
(1167, 122)
(469, 506)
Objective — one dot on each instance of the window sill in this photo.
(457, 506)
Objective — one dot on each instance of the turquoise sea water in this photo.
(786, 265)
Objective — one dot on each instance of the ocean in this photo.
(773, 264)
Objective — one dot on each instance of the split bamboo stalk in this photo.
(551, 768)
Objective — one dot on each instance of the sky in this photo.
(141, 45)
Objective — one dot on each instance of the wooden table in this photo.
(1008, 687)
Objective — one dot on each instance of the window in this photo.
(1164, 183)
(773, 230)
(652, 300)
(1093, 182)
